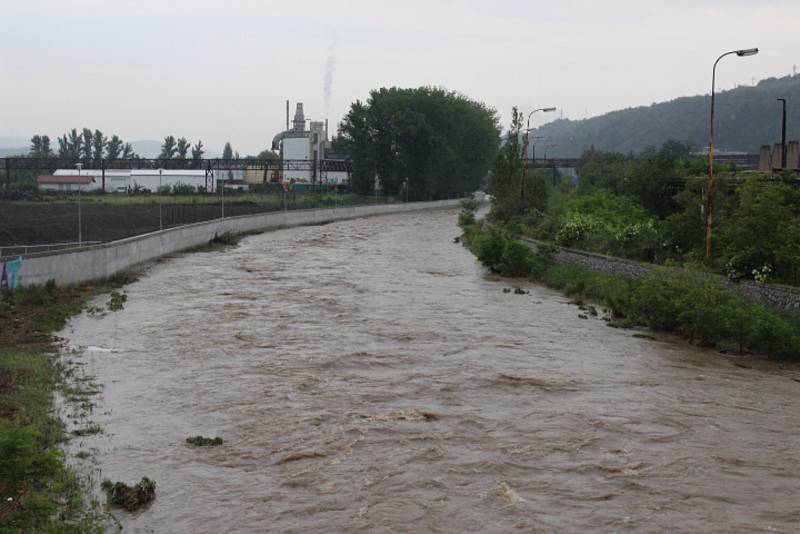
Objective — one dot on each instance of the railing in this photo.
(16, 250)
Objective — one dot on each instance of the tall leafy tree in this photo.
(227, 152)
(99, 142)
(113, 148)
(40, 147)
(74, 144)
(197, 151)
(86, 145)
(182, 148)
(439, 140)
(127, 152)
(63, 146)
(168, 148)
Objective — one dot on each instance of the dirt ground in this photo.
(29, 223)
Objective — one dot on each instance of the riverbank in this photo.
(40, 492)
(685, 303)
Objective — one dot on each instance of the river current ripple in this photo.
(370, 376)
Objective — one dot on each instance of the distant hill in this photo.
(746, 118)
(5, 152)
(13, 142)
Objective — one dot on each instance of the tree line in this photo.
(86, 145)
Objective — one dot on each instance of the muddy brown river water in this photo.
(370, 376)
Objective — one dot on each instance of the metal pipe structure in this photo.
(783, 135)
(710, 185)
(525, 149)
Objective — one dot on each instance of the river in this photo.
(371, 376)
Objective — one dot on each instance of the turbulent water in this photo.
(370, 376)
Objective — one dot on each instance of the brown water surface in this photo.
(369, 376)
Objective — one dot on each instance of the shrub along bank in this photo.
(688, 304)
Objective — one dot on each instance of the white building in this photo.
(123, 181)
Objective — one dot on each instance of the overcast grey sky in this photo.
(222, 70)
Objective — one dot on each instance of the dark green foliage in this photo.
(227, 152)
(504, 255)
(441, 141)
(762, 230)
(197, 151)
(130, 498)
(182, 148)
(202, 441)
(116, 301)
(40, 147)
(168, 147)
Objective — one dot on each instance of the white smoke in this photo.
(330, 67)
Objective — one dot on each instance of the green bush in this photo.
(183, 189)
(466, 218)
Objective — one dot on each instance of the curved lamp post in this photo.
(525, 153)
(710, 185)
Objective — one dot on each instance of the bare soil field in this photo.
(38, 223)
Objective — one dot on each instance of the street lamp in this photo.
(783, 135)
(160, 218)
(80, 233)
(525, 154)
(710, 186)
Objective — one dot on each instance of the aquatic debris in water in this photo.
(130, 497)
(297, 456)
(202, 441)
(410, 415)
(116, 301)
(507, 495)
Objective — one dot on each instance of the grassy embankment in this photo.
(39, 492)
(689, 304)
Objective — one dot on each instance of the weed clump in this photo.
(202, 441)
(130, 498)
(116, 301)
(228, 238)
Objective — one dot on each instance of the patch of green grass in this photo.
(45, 495)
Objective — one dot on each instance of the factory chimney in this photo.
(287, 115)
(299, 119)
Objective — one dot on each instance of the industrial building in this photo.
(296, 144)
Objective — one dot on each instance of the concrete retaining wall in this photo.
(102, 261)
(784, 299)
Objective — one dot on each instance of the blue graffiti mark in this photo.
(10, 278)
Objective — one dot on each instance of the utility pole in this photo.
(80, 231)
(783, 135)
